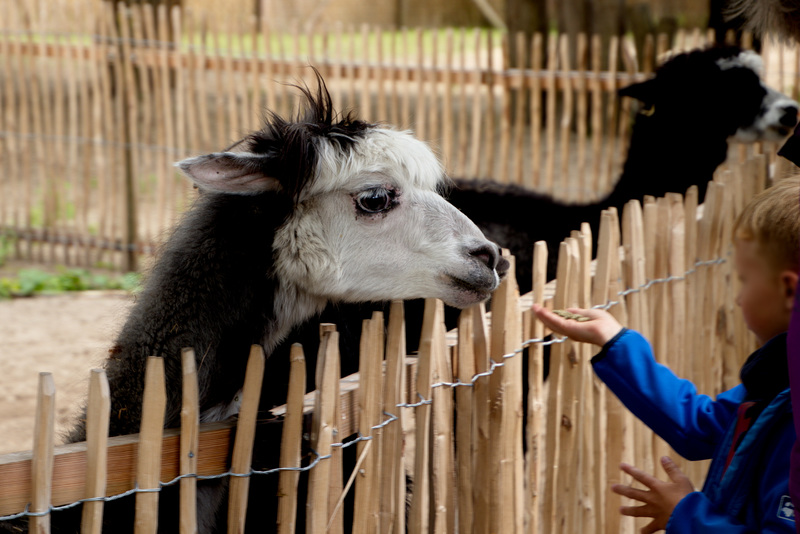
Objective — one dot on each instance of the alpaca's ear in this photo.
(238, 173)
(643, 91)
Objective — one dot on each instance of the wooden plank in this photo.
(190, 423)
(460, 163)
(392, 492)
(612, 113)
(505, 117)
(638, 319)
(477, 115)
(148, 458)
(597, 117)
(335, 481)
(567, 118)
(447, 155)
(555, 401)
(241, 462)
(198, 59)
(419, 516)
(395, 55)
(550, 123)
(600, 291)
(582, 111)
(370, 410)
(405, 79)
(506, 340)
(587, 409)
(291, 442)
(569, 482)
(535, 179)
(127, 113)
(519, 112)
(169, 119)
(620, 421)
(442, 461)
(32, 90)
(420, 117)
(97, 413)
(103, 123)
(537, 416)
(491, 81)
(382, 113)
(482, 446)
(318, 482)
(464, 420)
(432, 98)
(42, 464)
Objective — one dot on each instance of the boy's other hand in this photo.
(660, 500)
(598, 330)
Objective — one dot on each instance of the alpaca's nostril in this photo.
(789, 117)
(502, 267)
(486, 254)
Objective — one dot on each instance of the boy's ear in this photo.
(789, 282)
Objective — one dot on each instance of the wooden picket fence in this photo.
(452, 416)
(98, 101)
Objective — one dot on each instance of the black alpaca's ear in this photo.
(238, 173)
(642, 91)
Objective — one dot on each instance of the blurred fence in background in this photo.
(98, 102)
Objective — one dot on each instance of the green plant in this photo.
(29, 282)
(7, 242)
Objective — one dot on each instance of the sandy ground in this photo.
(66, 335)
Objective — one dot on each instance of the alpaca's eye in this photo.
(375, 200)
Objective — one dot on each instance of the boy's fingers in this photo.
(591, 313)
(631, 493)
(636, 511)
(671, 468)
(641, 476)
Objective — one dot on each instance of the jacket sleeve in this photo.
(692, 424)
(696, 513)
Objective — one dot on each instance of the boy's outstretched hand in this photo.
(600, 327)
(660, 500)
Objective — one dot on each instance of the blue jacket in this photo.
(753, 494)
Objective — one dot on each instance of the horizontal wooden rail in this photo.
(152, 58)
(69, 466)
(215, 440)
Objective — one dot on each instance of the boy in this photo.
(748, 430)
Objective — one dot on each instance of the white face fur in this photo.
(372, 227)
(767, 126)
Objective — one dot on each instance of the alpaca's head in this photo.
(716, 93)
(366, 220)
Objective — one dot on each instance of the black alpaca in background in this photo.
(695, 104)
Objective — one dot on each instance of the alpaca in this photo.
(694, 105)
(304, 213)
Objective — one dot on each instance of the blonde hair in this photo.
(772, 220)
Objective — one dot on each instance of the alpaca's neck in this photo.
(292, 307)
(665, 158)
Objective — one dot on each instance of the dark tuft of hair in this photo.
(293, 143)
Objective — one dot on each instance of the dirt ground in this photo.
(66, 335)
